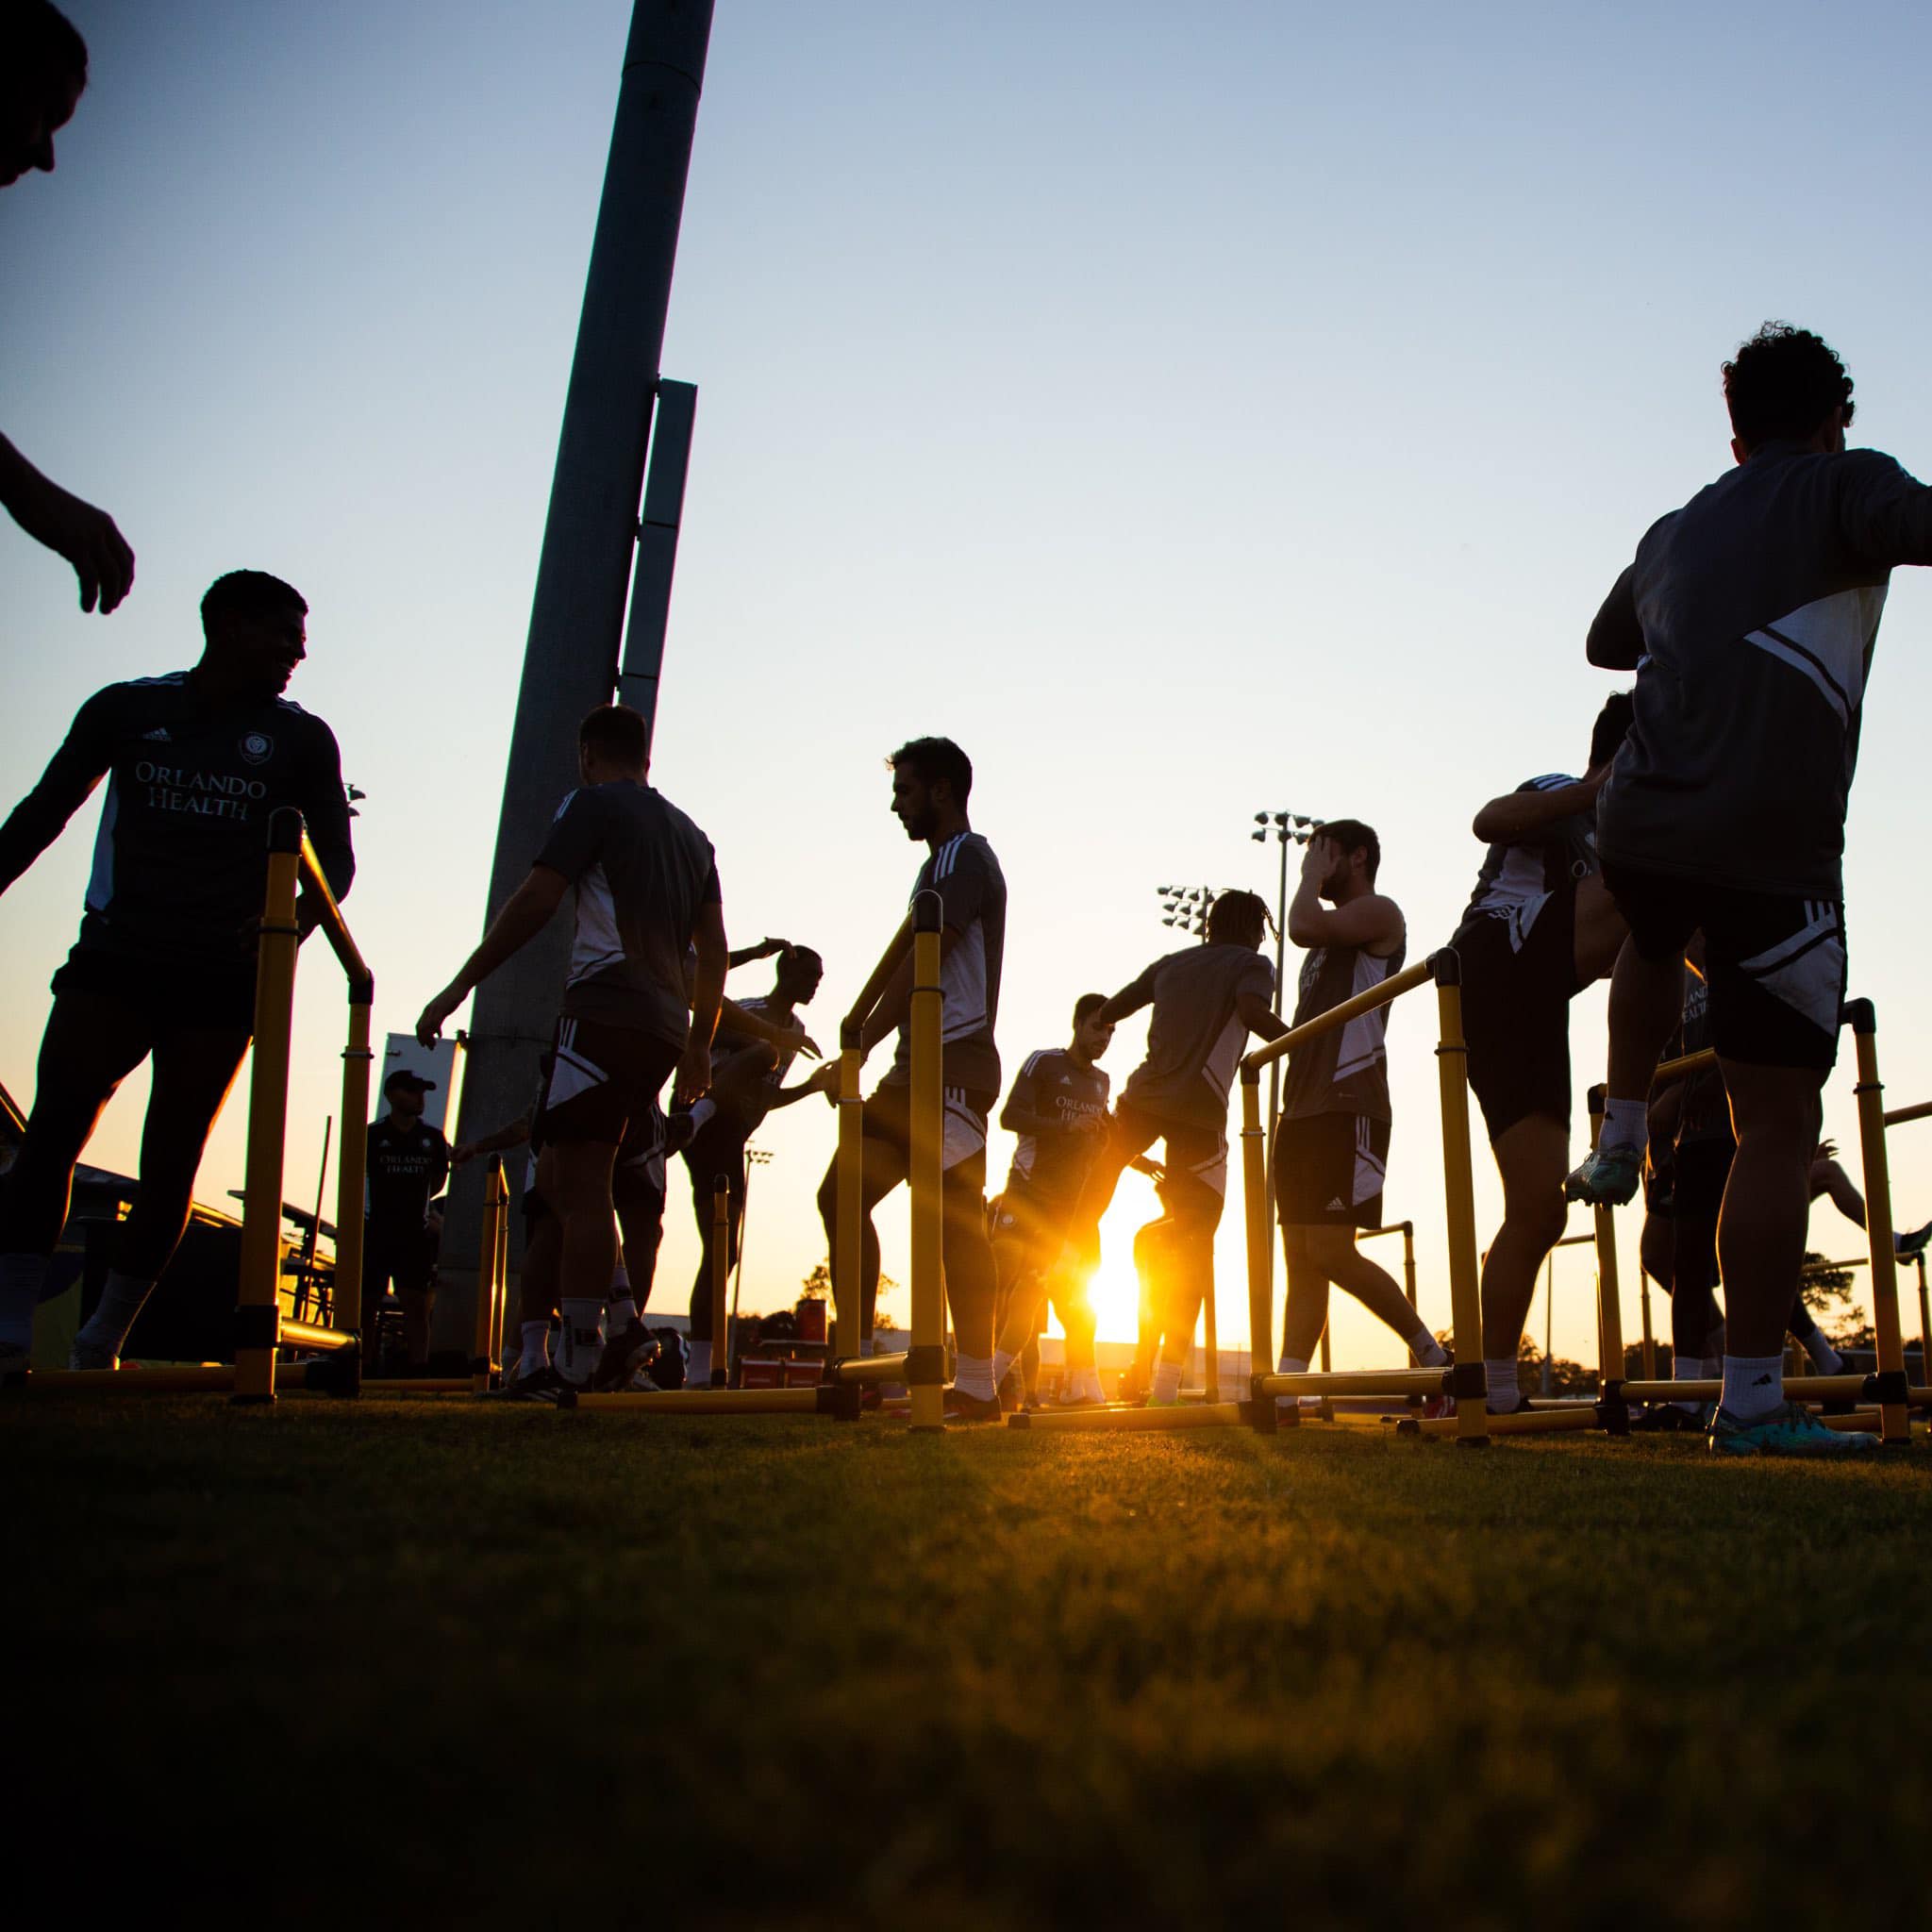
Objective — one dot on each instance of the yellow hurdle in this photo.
(1609, 1293)
(927, 1370)
(491, 1253)
(846, 1293)
(259, 1314)
(721, 1281)
(1255, 1212)
(1894, 1424)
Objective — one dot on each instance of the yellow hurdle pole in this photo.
(721, 1282)
(353, 1159)
(1468, 1381)
(1925, 1325)
(487, 1253)
(1210, 1336)
(501, 1283)
(1609, 1293)
(1257, 1211)
(1894, 1424)
(1649, 1342)
(258, 1315)
(846, 1292)
(927, 1370)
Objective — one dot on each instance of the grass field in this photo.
(438, 1662)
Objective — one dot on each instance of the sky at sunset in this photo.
(1190, 410)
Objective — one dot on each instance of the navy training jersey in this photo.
(642, 870)
(973, 892)
(1519, 879)
(1055, 1087)
(181, 857)
(1344, 1071)
(1195, 1032)
(406, 1169)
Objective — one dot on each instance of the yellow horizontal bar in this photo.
(708, 1401)
(870, 1368)
(1799, 1388)
(1900, 1115)
(1391, 990)
(332, 922)
(1525, 1421)
(1576, 1241)
(1832, 1267)
(1206, 1415)
(311, 1335)
(1368, 1233)
(1359, 1382)
(1684, 1063)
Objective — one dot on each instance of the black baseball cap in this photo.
(403, 1077)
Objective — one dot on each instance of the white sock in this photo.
(701, 1113)
(1167, 1380)
(1824, 1357)
(1754, 1385)
(1427, 1350)
(1003, 1359)
(1689, 1369)
(1086, 1385)
(623, 1311)
(1505, 1392)
(582, 1337)
(1291, 1365)
(1625, 1125)
(536, 1353)
(114, 1314)
(697, 1374)
(973, 1375)
(20, 1276)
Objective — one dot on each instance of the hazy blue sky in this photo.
(1189, 410)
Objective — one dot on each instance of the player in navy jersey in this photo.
(646, 889)
(1059, 1109)
(931, 782)
(408, 1161)
(197, 763)
(1331, 1144)
(1206, 1000)
(1539, 926)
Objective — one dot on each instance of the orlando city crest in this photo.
(258, 747)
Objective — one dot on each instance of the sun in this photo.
(1115, 1287)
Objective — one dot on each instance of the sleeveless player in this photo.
(1206, 1000)
(197, 763)
(647, 889)
(1057, 1107)
(1750, 616)
(408, 1164)
(1539, 928)
(931, 782)
(1331, 1147)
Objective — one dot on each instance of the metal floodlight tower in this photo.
(590, 535)
(1187, 907)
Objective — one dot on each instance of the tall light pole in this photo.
(584, 569)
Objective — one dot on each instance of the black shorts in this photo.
(1329, 1170)
(172, 996)
(1774, 963)
(403, 1256)
(1701, 1168)
(1516, 1013)
(1040, 1221)
(1660, 1179)
(603, 1080)
(887, 1116)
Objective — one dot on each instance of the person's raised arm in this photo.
(741, 1019)
(893, 973)
(85, 536)
(71, 775)
(1520, 815)
(515, 1135)
(1371, 921)
(526, 912)
(326, 812)
(707, 996)
(1616, 639)
(1885, 513)
(1259, 1017)
(744, 955)
(1130, 999)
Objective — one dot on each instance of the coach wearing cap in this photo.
(408, 1162)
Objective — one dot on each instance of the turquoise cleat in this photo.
(1607, 1179)
(1791, 1430)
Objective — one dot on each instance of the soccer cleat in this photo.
(91, 1355)
(542, 1384)
(1909, 1246)
(1668, 1419)
(962, 1407)
(1789, 1430)
(1607, 1178)
(631, 1349)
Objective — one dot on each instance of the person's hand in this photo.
(85, 536)
(1827, 1150)
(461, 1156)
(1090, 1123)
(1318, 862)
(1594, 781)
(429, 1022)
(809, 1048)
(693, 1079)
(824, 1080)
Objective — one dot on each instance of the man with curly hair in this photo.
(1749, 616)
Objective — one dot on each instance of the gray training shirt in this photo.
(1750, 617)
(1195, 1032)
(972, 890)
(642, 870)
